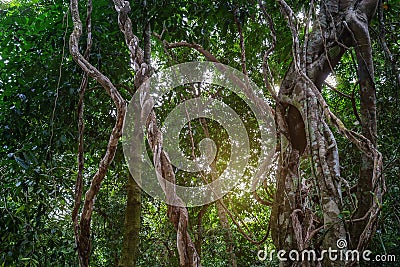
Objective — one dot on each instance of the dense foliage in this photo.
(39, 85)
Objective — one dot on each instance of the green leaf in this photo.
(21, 163)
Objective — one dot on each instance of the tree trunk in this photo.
(368, 120)
(132, 224)
(199, 228)
(134, 192)
(178, 215)
(302, 118)
(223, 220)
(83, 239)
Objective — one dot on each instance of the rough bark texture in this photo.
(199, 228)
(83, 240)
(134, 192)
(81, 128)
(131, 224)
(359, 27)
(295, 222)
(178, 215)
(306, 212)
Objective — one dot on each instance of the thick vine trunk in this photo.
(302, 118)
(134, 192)
(83, 233)
(368, 119)
(178, 215)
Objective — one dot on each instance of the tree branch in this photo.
(266, 68)
(84, 242)
(178, 214)
(242, 45)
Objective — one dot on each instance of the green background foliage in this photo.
(39, 85)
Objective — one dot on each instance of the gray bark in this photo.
(295, 223)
